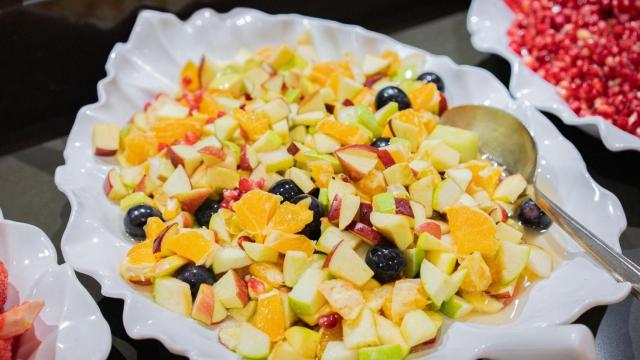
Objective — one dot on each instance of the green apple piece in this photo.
(398, 140)
(349, 208)
(309, 118)
(304, 341)
(275, 110)
(323, 198)
(540, 262)
(131, 176)
(382, 352)
(167, 266)
(368, 120)
(436, 317)
(228, 103)
(294, 265)
(482, 302)
(510, 188)
(253, 343)
(409, 132)
(345, 263)
(317, 260)
(417, 327)
(331, 236)
(429, 242)
(462, 177)
(302, 178)
(445, 261)
(218, 225)
(245, 313)
(422, 192)
(413, 258)
(324, 143)
(228, 336)
(336, 350)
(347, 88)
(282, 129)
(406, 71)
(456, 307)
(311, 155)
(177, 183)
(390, 334)
(372, 64)
(173, 294)
(513, 259)
(293, 95)
(289, 315)
(225, 127)
(438, 285)
(384, 113)
(361, 331)
(260, 252)
(269, 141)
(384, 203)
(463, 141)
(508, 233)
(276, 160)
(441, 155)
(305, 298)
(284, 351)
(298, 133)
(399, 173)
(136, 198)
(227, 258)
(396, 228)
(446, 193)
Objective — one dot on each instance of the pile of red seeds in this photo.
(589, 49)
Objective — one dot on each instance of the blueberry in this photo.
(381, 142)
(312, 229)
(386, 261)
(430, 77)
(532, 216)
(395, 94)
(204, 213)
(194, 276)
(136, 218)
(286, 188)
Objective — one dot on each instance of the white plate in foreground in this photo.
(95, 243)
(488, 22)
(70, 325)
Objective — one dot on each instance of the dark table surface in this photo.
(52, 53)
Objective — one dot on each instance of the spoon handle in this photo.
(623, 268)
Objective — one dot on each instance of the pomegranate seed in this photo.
(191, 138)
(330, 321)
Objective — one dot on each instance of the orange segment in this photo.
(153, 228)
(189, 78)
(255, 209)
(411, 117)
(488, 179)
(425, 98)
(209, 106)
(321, 72)
(192, 245)
(472, 230)
(283, 242)
(254, 124)
(168, 131)
(321, 172)
(345, 134)
(270, 316)
(141, 254)
(291, 218)
(139, 147)
(394, 60)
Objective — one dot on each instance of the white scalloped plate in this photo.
(70, 326)
(94, 242)
(488, 22)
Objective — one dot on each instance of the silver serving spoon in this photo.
(503, 138)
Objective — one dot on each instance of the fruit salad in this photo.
(317, 205)
(15, 321)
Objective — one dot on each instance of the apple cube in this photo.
(253, 343)
(361, 331)
(185, 155)
(106, 139)
(275, 110)
(204, 304)
(396, 228)
(345, 263)
(339, 187)
(384, 203)
(438, 285)
(284, 350)
(228, 337)
(136, 198)
(422, 192)
(372, 65)
(349, 207)
(260, 252)
(508, 233)
(399, 173)
(343, 297)
(302, 178)
(510, 188)
(445, 261)
(332, 236)
(177, 183)
(294, 265)
(304, 341)
(446, 194)
(513, 259)
(245, 313)
(390, 334)
(463, 141)
(312, 102)
(305, 297)
(173, 294)
(456, 307)
(225, 127)
(220, 178)
(232, 290)
(324, 143)
(276, 160)
(482, 302)
(387, 352)
(540, 262)
(336, 350)
(413, 258)
(113, 187)
(364, 232)
(357, 160)
(407, 131)
(442, 156)
(269, 141)
(417, 327)
(227, 258)
(462, 177)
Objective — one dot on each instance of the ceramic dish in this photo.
(488, 22)
(70, 326)
(95, 243)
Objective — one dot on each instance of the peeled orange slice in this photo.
(291, 218)
(255, 209)
(153, 228)
(270, 316)
(345, 134)
(283, 242)
(192, 245)
(254, 124)
(472, 230)
(138, 148)
(425, 98)
(141, 254)
(168, 131)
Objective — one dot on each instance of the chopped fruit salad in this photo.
(15, 321)
(319, 204)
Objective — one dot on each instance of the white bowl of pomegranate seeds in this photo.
(579, 62)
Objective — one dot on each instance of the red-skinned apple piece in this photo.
(499, 214)
(212, 155)
(430, 227)
(357, 160)
(334, 210)
(106, 138)
(232, 290)
(403, 207)
(365, 232)
(190, 201)
(185, 155)
(248, 158)
(385, 158)
(364, 213)
(113, 186)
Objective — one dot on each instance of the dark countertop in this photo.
(55, 65)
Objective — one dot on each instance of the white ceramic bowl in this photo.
(94, 242)
(488, 22)
(70, 326)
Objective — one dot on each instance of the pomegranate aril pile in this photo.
(589, 49)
